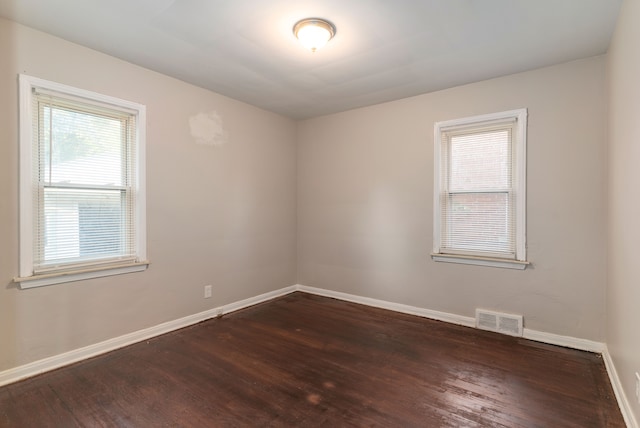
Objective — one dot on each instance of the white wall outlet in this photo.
(638, 387)
(207, 291)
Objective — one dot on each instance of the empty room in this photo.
(337, 213)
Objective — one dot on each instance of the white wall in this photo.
(223, 215)
(365, 183)
(623, 291)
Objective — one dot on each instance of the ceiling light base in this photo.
(314, 33)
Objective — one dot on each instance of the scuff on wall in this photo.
(208, 129)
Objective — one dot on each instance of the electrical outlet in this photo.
(638, 387)
(207, 291)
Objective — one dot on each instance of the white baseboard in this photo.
(566, 341)
(232, 307)
(538, 336)
(60, 360)
(397, 307)
(621, 397)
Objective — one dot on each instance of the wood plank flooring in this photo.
(307, 361)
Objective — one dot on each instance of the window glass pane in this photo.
(82, 224)
(479, 222)
(81, 148)
(480, 161)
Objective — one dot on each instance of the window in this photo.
(479, 191)
(82, 201)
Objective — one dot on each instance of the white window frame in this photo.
(519, 147)
(27, 278)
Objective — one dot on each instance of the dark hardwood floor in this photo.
(306, 361)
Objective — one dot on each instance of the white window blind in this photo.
(84, 198)
(81, 183)
(479, 194)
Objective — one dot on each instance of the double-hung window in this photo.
(82, 204)
(479, 191)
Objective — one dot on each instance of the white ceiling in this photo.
(383, 50)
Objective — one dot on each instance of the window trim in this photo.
(520, 174)
(27, 278)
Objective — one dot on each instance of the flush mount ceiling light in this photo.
(314, 33)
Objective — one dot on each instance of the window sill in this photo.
(78, 275)
(480, 261)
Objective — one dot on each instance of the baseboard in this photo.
(566, 341)
(232, 307)
(538, 336)
(397, 307)
(60, 360)
(621, 397)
